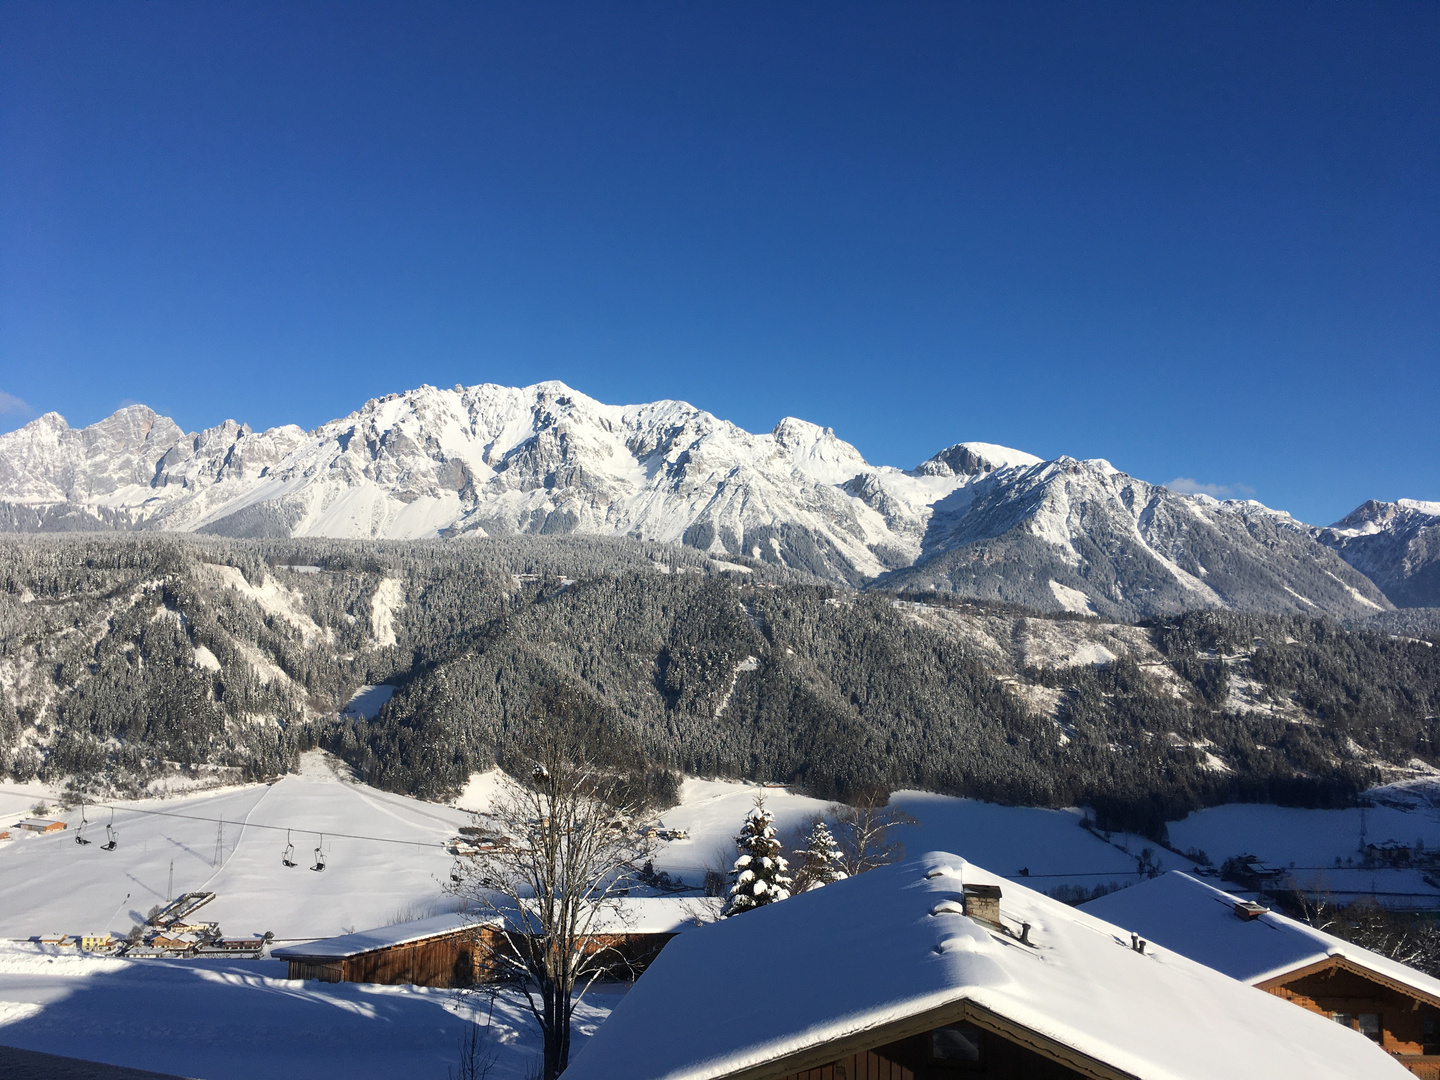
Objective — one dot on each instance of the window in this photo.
(1370, 1026)
(1432, 1040)
(1343, 1018)
(958, 1043)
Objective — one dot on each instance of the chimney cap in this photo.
(1249, 909)
(989, 892)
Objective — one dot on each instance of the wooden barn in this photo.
(1391, 1004)
(457, 950)
(935, 970)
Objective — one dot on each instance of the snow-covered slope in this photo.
(493, 460)
(1395, 544)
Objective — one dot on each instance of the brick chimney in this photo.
(982, 903)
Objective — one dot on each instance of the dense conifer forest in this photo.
(124, 659)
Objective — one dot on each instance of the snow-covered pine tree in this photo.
(821, 860)
(759, 876)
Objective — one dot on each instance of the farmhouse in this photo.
(1391, 1004)
(457, 949)
(934, 968)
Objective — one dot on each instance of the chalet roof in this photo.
(382, 937)
(628, 915)
(1199, 921)
(773, 985)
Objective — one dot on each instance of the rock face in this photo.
(491, 460)
(1396, 545)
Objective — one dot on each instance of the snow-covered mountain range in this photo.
(492, 460)
(1395, 544)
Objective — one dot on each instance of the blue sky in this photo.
(1201, 240)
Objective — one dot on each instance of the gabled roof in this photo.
(624, 915)
(1198, 920)
(860, 958)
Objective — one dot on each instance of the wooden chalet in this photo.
(1391, 1004)
(461, 950)
(935, 970)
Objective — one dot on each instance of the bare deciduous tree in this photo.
(565, 842)
(864, 832)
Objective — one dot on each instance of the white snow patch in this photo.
(1072, 599)
(1355, 594)
(366, 702)
(206, 659)
(389, 598)
(273, 598)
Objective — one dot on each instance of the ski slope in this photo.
(50, 883)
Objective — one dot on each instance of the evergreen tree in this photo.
(822, 860)
(759, 876)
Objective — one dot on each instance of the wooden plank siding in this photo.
(1336, 985)
(867, 1065)
(462, 958)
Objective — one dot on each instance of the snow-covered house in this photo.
(457, 949)
(1390, 1003)
(886, 975)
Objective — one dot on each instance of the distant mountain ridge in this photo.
(491, 460)
(1395, 544)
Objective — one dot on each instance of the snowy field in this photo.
(1309, 842)
(1005, 839)
(386, 863)
(243, 1020)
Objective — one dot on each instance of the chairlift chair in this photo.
(288, 857)
(319, 854)
(112, 838)
(80, 832)
(455, 874)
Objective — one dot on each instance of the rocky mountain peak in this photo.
(486, 460)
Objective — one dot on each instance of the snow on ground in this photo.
(242, 1019)
(365, 702)
(274, 598)
(1045, 842)
(1308, 843)
(388, 599)
(1281, 835)
(50, 883)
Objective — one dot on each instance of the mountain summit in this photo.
(489, 460)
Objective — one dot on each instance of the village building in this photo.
(459, 949)
(1391, 1004)
(40, 825)
(935, 969)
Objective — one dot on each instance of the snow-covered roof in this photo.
(625, 915)
(382, 937)
(1198, 920)
(783, 983)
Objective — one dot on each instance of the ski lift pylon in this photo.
(320, 854)
(288, 856)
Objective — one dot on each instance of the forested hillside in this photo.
(124, 660)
